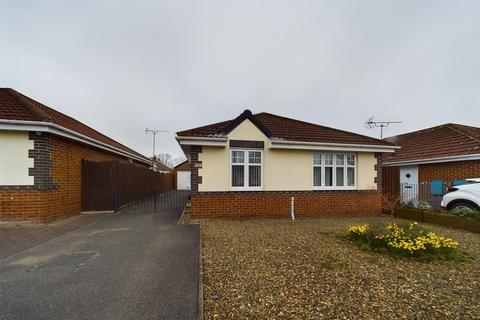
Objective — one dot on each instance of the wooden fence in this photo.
(391, 182)
(111, 185)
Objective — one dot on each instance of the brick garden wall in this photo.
(57, 174)
(270, 204)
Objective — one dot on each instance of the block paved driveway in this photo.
(126, 265)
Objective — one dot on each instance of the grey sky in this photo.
(121, 66)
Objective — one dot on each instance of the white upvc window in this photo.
(246, 169)
(334, 170)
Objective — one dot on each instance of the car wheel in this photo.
(459, 206)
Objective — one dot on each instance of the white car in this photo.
(465, 196)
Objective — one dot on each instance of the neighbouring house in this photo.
(263, 165)
(431, 159)
(183, 175)
(41, 151)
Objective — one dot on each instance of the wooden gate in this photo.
(111, 185)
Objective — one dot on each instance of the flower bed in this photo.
(407, 240)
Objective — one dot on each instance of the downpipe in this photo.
(292, 208)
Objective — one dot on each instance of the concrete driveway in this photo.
(123, 266)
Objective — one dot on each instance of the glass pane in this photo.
(339, 177)
(238, 176)
(317, 159)
(238, 156)
(254, 157)
(350, 177)
(328, 159)
(328, 176)
(339, 159)
(317, 176)
(254, 176)
(351, 159)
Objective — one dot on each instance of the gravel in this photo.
(278, 269)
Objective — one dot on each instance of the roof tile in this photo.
(292, 130)
(16, 106)
(446, 140)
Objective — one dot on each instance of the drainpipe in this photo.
(292, 208)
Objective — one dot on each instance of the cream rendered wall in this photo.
(366, 173)
(215, 171)
(283, 170)
(14, 160)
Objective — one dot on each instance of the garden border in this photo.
(435, 217)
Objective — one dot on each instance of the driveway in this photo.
(137, 264)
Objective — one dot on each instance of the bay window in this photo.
(246, 169)
(334, 170)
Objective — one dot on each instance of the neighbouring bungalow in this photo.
(40, 159)
(264, 165)
(183, 175)
(431, 159)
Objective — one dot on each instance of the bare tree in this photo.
(391, 203)
(165, 159)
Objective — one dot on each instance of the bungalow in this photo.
(430, 159)
(41, 151)
(265, 165)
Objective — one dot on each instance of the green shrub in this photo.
(420, 205)
(466, 212)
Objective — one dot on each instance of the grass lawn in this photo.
(278, 269)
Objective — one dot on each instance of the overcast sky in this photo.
(122, 66)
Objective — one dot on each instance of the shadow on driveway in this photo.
(123, 266)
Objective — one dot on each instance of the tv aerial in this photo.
(154, 132)
(371, 124)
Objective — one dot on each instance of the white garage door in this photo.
(183, 180)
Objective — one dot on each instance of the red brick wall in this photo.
(277, 204)
(449, 171)
(64, 197)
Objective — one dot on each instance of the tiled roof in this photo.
(447, 140)
(16, 106)
(288, 129)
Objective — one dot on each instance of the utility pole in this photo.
(370, 124)
(154, 132)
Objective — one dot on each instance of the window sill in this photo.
(246, 189)
(334, 188)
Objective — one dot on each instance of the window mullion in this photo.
(246, 168)
(334, 173)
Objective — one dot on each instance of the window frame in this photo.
(334, 166)
(246, 165)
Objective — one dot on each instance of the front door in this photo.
(409, 183)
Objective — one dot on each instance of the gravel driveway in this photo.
(276, 269)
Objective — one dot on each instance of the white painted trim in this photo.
(299, 145)
(285, 144)
(39, 126)
(202, 141)
(432, 160)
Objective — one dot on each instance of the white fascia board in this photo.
(296, 145)
(202, 141)
(39, 126)
(432, 160)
